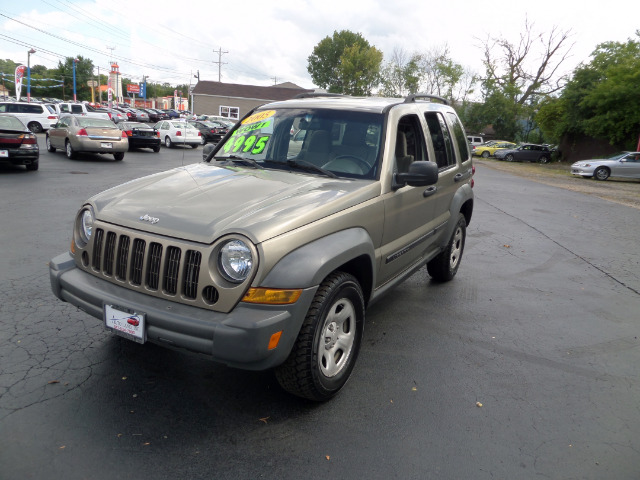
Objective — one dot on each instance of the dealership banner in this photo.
(20, 69)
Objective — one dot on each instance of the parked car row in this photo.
(510, 152)
(73, 134)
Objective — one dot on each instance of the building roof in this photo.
(229, 90)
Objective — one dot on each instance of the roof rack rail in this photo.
(318, 94)
(415, 96)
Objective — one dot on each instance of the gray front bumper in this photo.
(239, 338)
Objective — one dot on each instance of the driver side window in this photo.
(410, 146)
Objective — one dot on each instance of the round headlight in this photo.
(235, 261)
(86, 224)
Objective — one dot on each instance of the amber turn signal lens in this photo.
(275, 338)
(272, 296)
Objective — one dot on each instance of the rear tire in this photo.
(445, 266)
(167, 142)
(156, 149)
(70, 152)
(327, 346)
(485, 154)
(193, 145)
(543, 159)
(35, 127)
(118, 156)
(32, 167)
(50, 148)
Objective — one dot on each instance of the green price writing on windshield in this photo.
(251, 144)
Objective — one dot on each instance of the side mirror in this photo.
(420, 174)
(207, 150)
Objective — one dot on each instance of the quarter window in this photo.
(441, 139)
(458, 133)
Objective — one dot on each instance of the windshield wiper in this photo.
(240, 160)
(310, 167)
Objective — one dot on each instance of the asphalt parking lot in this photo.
(525, 366)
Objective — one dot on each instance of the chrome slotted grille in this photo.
(178, 270)
(167, 270)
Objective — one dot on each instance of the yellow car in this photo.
(485, 151)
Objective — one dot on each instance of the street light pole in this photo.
(75, 60)
(29, 74)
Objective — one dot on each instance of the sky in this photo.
(264, 43)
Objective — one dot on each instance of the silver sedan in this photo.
(75, 133)
(624, 164)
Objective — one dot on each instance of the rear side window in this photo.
(37, 109)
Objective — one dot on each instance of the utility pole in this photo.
(219, 62)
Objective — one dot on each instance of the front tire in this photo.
(445, 266)
(601, 173)
(327, 346)
(509, 158)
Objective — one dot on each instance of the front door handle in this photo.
(430, 191)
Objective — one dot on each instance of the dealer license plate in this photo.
(4, 153)
(125, 322)
(106, 145)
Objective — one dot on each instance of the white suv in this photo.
(36, 116)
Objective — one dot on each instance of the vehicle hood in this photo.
(202, 202)
(595, 162)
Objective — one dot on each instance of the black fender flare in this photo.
(310, 264)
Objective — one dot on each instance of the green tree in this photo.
(401, 75)
(602, 99)
(441, 76)
(518, 75)
(345, 63)
(84, 73)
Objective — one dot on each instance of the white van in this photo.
(36, 116)
(475, 141)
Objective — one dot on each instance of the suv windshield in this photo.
(342, 142)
